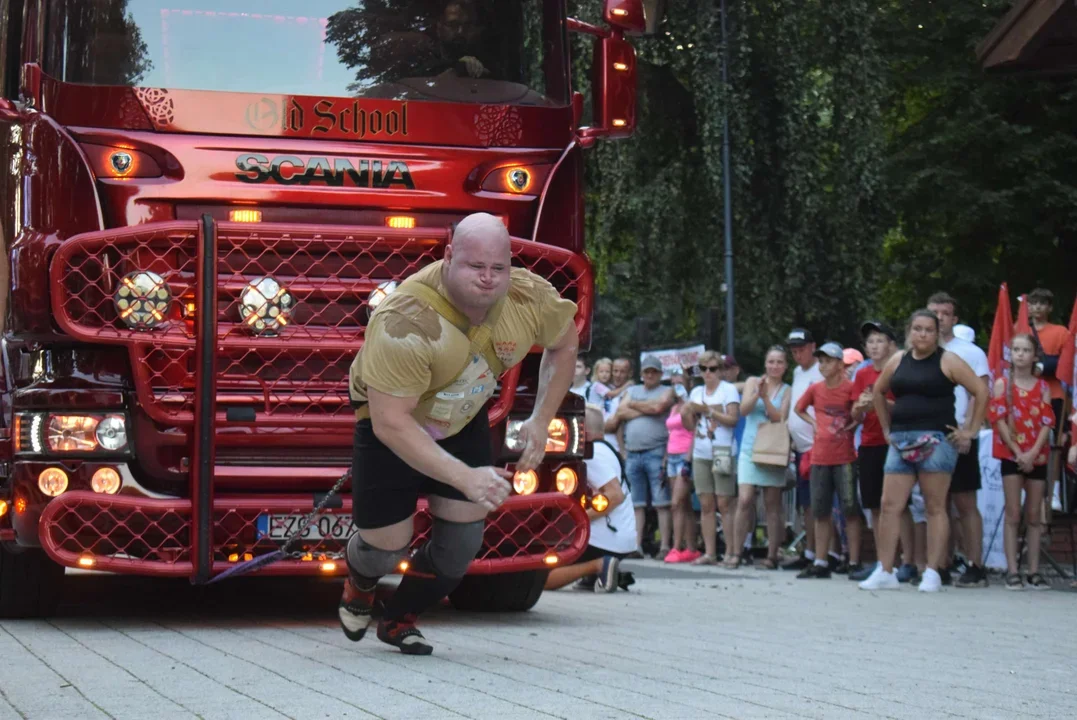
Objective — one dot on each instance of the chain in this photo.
(286, 548)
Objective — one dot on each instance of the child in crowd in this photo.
(832, 457)
(1022, 416)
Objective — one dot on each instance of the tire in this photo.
(508, 592)
(30, 583)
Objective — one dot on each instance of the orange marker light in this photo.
(400, 222)
(245, 216)
(618, 122)
(620, 12)
(329, 566)
(551, 559)
(620, 66)
(87, 561)
(3, 508)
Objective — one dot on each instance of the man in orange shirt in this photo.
(1052, 338)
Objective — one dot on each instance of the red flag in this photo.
(998, 350)
(1067, 368)
(1022, 325)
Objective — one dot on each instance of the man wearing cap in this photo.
(832, 458)
(802, 345)
(880, 343)
(966, 478)
(643, 413)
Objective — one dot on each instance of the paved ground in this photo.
(684, 644)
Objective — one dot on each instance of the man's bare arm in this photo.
(556, 371)
(660, 406)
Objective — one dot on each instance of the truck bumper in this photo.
(144, 536)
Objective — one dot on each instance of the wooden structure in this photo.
(1034, 37)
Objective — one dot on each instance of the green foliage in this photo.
(806, 160)
(873, 163)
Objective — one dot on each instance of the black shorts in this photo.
(1039, 472)
(385, 489)
(594, 553)
(967, 472)
(871, 461)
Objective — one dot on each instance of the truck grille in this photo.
(298, 375)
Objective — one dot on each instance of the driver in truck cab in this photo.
(431, 358)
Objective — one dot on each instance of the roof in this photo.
(1035, 36)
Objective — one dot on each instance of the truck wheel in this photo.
(30, 583)
(507, 592)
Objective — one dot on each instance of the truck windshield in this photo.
(485, 51)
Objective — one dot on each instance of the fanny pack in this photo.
(918, 449)
(722, 460)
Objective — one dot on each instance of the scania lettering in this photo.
(201, 205)
(291, 170)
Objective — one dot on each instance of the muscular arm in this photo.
(394, 425)
(555, 375)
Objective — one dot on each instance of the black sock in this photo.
(421, 589)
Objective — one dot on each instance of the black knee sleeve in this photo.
(453, 546)
(367, 563)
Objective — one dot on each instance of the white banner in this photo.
(992, 502)
(672, 359)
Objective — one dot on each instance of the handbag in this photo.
(771, 446)
(722, 459)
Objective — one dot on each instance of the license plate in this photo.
(327, 525)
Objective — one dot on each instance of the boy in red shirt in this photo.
(832, 456)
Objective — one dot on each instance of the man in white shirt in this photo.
(802, 346)
(966, 479)
(613, 529)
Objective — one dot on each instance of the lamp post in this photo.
(727, 191)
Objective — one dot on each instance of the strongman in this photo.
(430, 361)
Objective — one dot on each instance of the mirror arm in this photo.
(580, 26)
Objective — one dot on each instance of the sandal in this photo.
(731, 563)
(1036, 582)
(1013, 582)
(769, 564)
(705, 560)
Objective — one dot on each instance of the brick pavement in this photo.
(686, 643)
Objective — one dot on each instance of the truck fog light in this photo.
(266, 306)
(525, 483)
(566, 480)
(142, 300)
(112, 433)
(106, 481)
(52, 481)
(600, 503)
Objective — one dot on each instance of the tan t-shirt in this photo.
(409, 348)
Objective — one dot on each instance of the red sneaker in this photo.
(688, 556)
(674, 556)
(354, 611)
(403, 634)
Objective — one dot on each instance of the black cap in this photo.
(798, 337)
(877, 326)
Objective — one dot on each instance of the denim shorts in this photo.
(646, 477)
(942, 460)
(674, 463)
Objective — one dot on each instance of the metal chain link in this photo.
(286, 548)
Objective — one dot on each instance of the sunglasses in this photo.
(710, 368)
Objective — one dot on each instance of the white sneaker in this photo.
(880, 580)
(931, 581)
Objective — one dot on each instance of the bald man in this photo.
(430, 361)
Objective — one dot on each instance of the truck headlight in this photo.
(62, 433)
(142, 300)
(562, 436)
(525, 483)
(266, 306)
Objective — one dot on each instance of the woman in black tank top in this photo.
(920, 429)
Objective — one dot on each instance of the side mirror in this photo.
(614, 82)
(626, 15)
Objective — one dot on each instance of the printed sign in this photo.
(683, 359)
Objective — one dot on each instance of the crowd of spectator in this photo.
(878, 441)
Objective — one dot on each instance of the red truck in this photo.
(202, 201)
